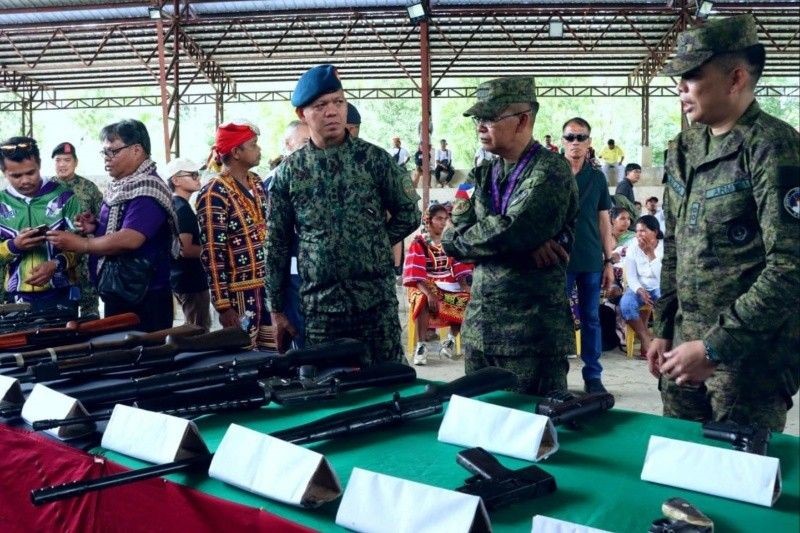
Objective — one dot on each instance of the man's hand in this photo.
(67, 241)
(42, 274)
(86, 223)
(28, 239)
(229, 318)
(549, 254)
(284, 331)
(608, 277)
(645, 296)
(655, 355)
(687, 363)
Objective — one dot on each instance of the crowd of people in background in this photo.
(305, 256)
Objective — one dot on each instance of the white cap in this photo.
(181, 164)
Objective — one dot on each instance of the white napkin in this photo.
(44, 403)
(10, 391)
(376, 503)
(545, 524)
(498, 429)
(711, 470)
(274, 468)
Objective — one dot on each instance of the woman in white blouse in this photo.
(643, 275)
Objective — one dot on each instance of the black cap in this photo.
(64, 148)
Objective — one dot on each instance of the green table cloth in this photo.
(596, 468)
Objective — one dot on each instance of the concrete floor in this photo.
(627, 379)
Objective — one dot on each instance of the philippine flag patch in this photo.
(465, 191)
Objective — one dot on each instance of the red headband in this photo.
(229, 136)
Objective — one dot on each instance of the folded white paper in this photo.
(44, 403)
(376, 503)
(728, 473)
(498, 429)
(153, 437)
(545, 524)
(274, 468)
(10, 391)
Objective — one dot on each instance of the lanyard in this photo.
(500, 198)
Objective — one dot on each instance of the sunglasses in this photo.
(193, 175)
(11, 149)
(580, 137)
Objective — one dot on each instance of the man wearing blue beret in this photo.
(353, 121)
(335, 192)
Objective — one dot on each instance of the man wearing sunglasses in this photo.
(727, 330)
(36, 272)
(231, 211)
(518, 316)
(336, 191)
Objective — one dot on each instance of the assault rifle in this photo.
(344, 352)
(140, 358)
(42, 318)
(6, 309)
(392, 413)
(62, 353)
(499, 486)
(746, 438)
(566, 408)
(255, 394)
(71, 331)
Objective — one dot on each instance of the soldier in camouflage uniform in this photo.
(518, 317)
(335, 192)
(727, 325)
(90, 198)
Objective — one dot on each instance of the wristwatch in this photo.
(608, 261)
(710, 353)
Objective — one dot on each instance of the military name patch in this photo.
(728, 188)
(694, 210)
(791, 202)
(676, 186)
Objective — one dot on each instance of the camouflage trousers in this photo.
(89, 300)
(723, 398)
(538, 376)
(377, 328)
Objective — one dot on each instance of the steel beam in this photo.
(651, 65)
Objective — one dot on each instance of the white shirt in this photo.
(401, 154)
(482, 154)
(660, 217)
(640, 271)
(443, 155)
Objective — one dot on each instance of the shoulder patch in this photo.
(465, 191)
(791, 203)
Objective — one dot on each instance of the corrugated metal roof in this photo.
(73, 44)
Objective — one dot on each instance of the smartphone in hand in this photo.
(42, 230)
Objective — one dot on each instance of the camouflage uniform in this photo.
(731, 267)
(90, 198)
(337, 199)
(518, 316)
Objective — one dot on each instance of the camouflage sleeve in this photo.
(741, 328)
(400, 199)
(666, 307)
(537, 213)
(463, 214)
(71, 210)
(212, 218)
(280, 231)
(95, 199)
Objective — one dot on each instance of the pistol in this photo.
(746, 438)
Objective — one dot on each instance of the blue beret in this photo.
(316, 81)
(353, 116)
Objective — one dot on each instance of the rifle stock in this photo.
(353, 421)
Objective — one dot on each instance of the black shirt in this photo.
(625, 188)
(187, 274)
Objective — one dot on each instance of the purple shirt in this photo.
(146, 216)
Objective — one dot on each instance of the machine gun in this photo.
(78, 331)
(566, 408)
(745, 438)
(82, 349)
(499, 486)
(255, 394)
(138, 358)
(344, 352)
(392, 413)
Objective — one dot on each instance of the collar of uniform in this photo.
(348, 139)
(734, 138)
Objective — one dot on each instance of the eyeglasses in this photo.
(489, 122)
(580, 137)
(193, 175)
(111, 153)
(11, 149)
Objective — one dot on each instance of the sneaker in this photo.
(449, 349)
(594, 385)
(421, 355)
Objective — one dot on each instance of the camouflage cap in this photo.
(495, 95)
(698, 45)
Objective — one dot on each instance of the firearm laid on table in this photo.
(22, 318)
(57, 354)
(391, 413)
(565, 408)
(71, 331)
(746, 438)
(345, 352)
(140, 358)
(255, 394)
